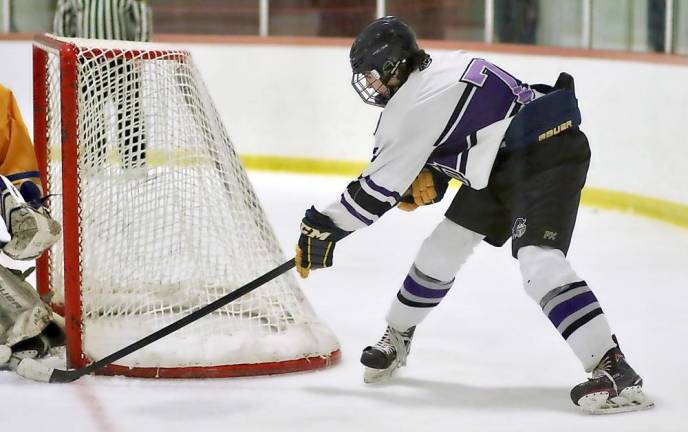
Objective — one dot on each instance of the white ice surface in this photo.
(485, 360)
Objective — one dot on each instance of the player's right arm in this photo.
(403, 144)
(376, 191)
(397, 160)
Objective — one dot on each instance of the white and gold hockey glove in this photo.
(31, 229)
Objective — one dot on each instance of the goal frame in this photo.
(71, 310)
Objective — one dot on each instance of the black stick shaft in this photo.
(72, 375)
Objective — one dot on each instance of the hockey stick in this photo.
(37, 371)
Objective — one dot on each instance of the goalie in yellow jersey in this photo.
(27, 326)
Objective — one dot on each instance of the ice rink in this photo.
(485, 360)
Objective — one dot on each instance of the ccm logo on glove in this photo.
(313, 233)
(316, 243)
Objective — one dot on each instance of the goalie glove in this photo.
(428, 188)
(31, 228)
(316, 243)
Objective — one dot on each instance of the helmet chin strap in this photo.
(387, 76)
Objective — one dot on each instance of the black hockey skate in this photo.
(386, 356)
(614, 387)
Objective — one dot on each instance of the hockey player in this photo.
(27, 326)
(522, 159)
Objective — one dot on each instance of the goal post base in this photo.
(226, 371)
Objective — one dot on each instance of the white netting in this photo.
(168, 218)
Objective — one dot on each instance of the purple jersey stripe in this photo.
(420, 291)
(455, 114)
(570, 306)
(354, 213)
(380, 189)
(488, 104)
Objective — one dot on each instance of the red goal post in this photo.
(158, 215)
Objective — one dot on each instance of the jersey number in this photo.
(476, 74)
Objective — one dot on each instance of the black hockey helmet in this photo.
(379, 51)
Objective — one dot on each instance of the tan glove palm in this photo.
(422, 190)
(300, 269)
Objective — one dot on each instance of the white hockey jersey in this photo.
(451, 116)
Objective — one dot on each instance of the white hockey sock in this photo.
(418, 295)
(567, 301)
(432, 274)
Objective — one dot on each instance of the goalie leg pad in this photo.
(5, 354)
(35, 347)
(22, 313)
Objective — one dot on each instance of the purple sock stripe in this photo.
(418, 290)
(354, 213)
(570, 306)
(380, 189)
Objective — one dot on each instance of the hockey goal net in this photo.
(159, 219)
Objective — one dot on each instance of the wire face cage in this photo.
(159, 219)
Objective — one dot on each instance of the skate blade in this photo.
(630, 399)
(375, 376)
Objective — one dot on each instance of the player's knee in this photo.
(543, 269)
(446, 249)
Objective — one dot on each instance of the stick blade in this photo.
(65, 376)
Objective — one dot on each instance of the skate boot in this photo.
(386, 356)
(614, 387)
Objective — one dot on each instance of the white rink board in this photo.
(634, 113)
(485, 360)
